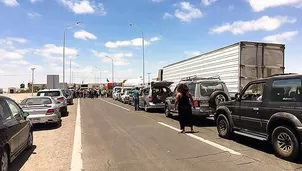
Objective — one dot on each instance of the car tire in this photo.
(58, 124)
(287, 134)
(30, 140)
(223, 126)
(217, 97)
(167, 112)
(4, 160)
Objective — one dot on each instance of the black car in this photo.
(16, 133)
(268, 109)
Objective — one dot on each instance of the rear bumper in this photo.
(203, 111)
(156, 106)
(43, 118)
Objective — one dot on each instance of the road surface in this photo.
(110, 136)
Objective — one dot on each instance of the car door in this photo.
(250, 107)
(12, 126)
(172, 100)
(24, 127)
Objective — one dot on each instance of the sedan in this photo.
(16, 132)
(42, 110)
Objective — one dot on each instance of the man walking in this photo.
(135, 98)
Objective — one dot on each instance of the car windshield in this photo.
(36, 101)
(207, 88)
(49, 93)
(160, 90)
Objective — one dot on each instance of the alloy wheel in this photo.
(285, 142)
(222, 126)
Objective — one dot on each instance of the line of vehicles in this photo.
(17, 120)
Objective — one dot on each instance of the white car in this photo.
(125, 97)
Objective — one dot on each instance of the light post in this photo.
(70, 68)
(143, 43)
(149, 78)
(32, 81)
(100, 73)
(64, 44)
(112, 69)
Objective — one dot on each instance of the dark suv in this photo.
(16, 133)
(207, 94)
(268, 109)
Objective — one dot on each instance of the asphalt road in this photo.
(110, 136)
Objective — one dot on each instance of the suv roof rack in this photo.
(195, 78)
(282, 74)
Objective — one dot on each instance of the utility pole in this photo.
(32, 81)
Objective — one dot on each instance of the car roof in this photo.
(38, 97)
(279, 76)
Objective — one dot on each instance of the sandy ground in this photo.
(52, 149)
(18, 97)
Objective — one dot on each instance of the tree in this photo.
(22, 85)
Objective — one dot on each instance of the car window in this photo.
(254, 92)
(207, 88)
(4, 111)
(192, 87)
(146, 91)
(288, 90)
(49, 93)
(14, 108)
(36, 101)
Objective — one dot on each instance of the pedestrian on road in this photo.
(135, 98)
(184, 107)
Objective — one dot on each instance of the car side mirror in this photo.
(25, 115)
(237, 97)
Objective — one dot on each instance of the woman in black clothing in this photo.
(184, 107)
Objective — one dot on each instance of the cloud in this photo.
(52, 51)
(187, 12)
(9, 41)
(84, 6)
(8, 55)
(10, 3)
(261, 5)
(192, 53)
(33, 15)
(83, 34)
(265, 23)
(281, 37)
(34, 1)
(208, 2)
(157, 1)
(153, 39)
(133, 42)
(167, 15)
(119, 58)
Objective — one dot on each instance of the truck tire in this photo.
(223, 126)
(217, 97)
(285, 143)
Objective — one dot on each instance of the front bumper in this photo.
(53, 118)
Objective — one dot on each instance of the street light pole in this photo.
(148, 78)
(143, 43)
(100, 73)
(112, 69)
(70, 68)
(32, 81)
(64, 44)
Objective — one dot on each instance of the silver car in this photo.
(42, 110)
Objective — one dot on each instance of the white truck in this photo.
(236, 64)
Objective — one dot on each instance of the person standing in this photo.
(136, 98)
(183, 99)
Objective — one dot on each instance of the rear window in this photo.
(159, 90)
(207, 88)
(192, 87)
(36, 101)
(49, 93)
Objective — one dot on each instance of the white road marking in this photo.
(115, 105)
(77, 161)
(204, 140)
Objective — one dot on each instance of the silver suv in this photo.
(58, 95)
(207, 94)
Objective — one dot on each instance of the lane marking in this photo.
(203, 140)
(115, 105)
(76, 160)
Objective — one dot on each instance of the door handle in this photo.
(256, 109)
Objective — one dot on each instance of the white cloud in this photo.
(10, 3)
(265, 23)
(119, 58)
(51, 50)
(133, 42)
(281, 37)
(8, 55)
(83, 34)
(167, 15)
(187, 12)
(154, 39)
(84, 6)
(33, 15)
(261, 5)
(19, 62)
(9, 41)
(34, 1)
(192, 53)
(208, 2)
(157, 1)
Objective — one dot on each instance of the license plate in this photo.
(35, 119)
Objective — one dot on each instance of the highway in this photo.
(106, 135)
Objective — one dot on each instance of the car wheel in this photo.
(4, 162)
(30, 140)
(223, 126)
(285, 143)
(167, 112)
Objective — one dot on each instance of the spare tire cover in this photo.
(217, 97)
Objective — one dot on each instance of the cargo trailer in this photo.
(236, 64)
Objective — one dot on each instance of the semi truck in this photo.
(235, 64)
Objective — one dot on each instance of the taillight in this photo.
(196, 103)
(50, 111)
(60, 98)
(150, 98)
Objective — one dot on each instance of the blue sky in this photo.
(31, 34)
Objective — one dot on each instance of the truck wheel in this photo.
(167, 112)
(223, 126)
(4, 161)
(285, 143)
(217, 97)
